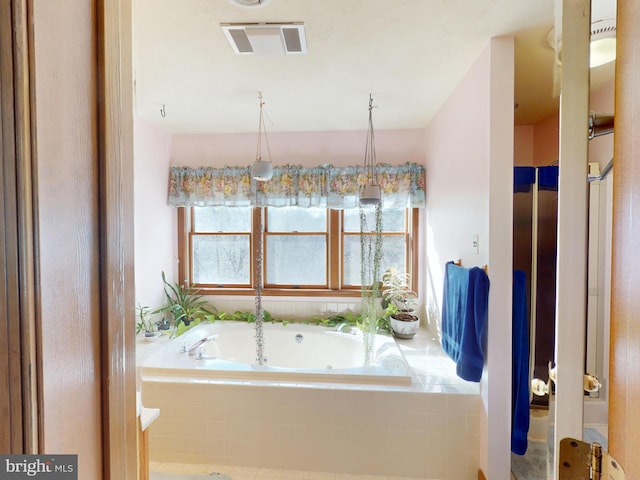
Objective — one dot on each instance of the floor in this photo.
(255, 473)
(534, 465)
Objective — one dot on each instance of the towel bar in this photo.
(484, 267)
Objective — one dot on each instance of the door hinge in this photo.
(587, 461)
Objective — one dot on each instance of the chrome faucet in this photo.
(347, 328)
(194, 348)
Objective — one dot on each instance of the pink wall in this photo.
(155, 222)
(304, 148)
(546, 135)
(457, 147)
(523, 145)
(469, 149)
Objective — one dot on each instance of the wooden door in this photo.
(66, 323)
(624, 413)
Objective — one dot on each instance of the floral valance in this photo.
(291, 185)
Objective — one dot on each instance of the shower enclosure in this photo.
(535, 220)
(534, 252)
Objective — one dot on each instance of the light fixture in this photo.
(262, 170)
(602, 46)
(602, 51)
(370, 192)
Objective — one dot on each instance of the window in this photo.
(220, 246)
(305, 250)
(296, 247)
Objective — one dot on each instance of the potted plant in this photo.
(399, 302)
(185, 304)
(144, 323)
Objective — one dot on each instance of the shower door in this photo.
(535, 223)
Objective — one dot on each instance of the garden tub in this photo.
(324, 412)
(293, 352)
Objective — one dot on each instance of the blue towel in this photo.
(523, 178)
(464, 319)
(520, 367)
(548, 178)
(454, 307)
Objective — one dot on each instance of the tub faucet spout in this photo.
(194, 348)
(347, 328)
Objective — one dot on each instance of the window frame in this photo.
(335, 237)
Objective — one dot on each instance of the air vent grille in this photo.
(240, 40)
(266, 38)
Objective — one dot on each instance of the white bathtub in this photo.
(293, 353)
(348, 419)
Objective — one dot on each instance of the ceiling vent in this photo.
(266, 38)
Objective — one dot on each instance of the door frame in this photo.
(115, 130)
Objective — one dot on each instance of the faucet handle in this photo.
(194, 348)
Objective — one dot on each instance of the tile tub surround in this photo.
(327, 430)
(430, 429)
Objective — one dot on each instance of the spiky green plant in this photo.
(396, 284)
(185, 304)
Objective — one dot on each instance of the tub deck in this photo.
(430, 370)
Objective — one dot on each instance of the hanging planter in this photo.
(370, 247)
(262, 170)
(370, 193)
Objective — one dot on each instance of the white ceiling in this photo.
(409, 54)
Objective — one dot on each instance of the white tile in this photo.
(295, 474)
(238, 470)
(321, 476)
(263, 473)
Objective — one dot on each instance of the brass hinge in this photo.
(587, 461)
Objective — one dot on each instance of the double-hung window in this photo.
(310, 250)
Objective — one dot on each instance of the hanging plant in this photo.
(370, 259)
(370, 253)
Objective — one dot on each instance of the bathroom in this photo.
(475, 207)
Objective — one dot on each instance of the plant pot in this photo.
(152, 336)
(404, 325)
(163, 324)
